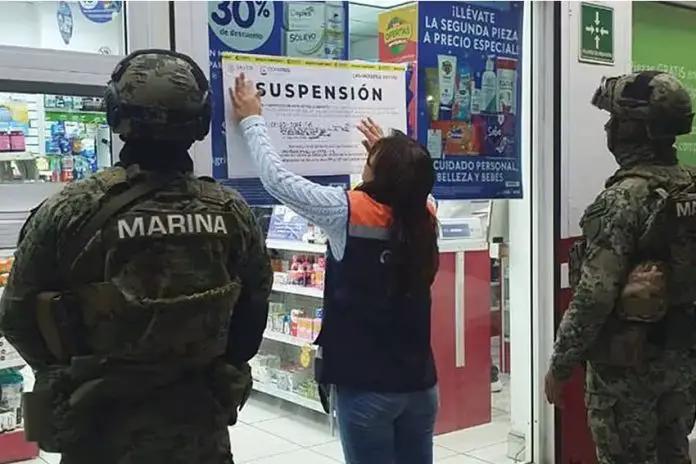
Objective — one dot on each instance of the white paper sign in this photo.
(312, 108)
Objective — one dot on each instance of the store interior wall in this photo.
(519, 239)
(586, 161)
(34, 24)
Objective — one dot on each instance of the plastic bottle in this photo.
(464, 93)
(489, 87)
(11, 389)
(507, 85)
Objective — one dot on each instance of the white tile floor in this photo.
(270, 433)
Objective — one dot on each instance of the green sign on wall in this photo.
(663, 39)
(596, 34)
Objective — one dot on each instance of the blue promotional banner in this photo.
(296, 29)
(469, 92)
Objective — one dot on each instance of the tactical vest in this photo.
(667, 241)
(148, 300)
(154, 285)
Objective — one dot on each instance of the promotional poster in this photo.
(469, 91)
(398, 34)
(312, 109)
(397, 43)
(298, 29)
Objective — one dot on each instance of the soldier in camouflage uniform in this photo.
(139, 294)
(631, 317)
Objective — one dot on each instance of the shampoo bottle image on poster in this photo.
(432, 93)
(447, 69)
(489, 88)
(475, 97)
(464, 94)
(507, 85)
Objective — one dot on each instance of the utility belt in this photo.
(60, 412)
(626, 343)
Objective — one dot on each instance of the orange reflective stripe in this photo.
(364, 211)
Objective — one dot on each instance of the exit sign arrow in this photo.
(596, 33)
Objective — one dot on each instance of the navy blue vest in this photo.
(372, 338)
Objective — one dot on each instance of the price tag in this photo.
(242, 26)
(305, 356)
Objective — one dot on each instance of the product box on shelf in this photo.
(302, 271)
(9, 357)
(11, 388)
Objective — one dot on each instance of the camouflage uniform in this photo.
(162, 309)
(639, 363)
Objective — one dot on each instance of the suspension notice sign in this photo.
(596, 34)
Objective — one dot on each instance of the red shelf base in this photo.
(14, 448)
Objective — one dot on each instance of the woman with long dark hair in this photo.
(382, 259)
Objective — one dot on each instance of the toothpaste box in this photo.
(302, 16)
(9, 357)
(335, 17)
(305, 44)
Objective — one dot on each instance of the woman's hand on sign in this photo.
(371, 131)
(246, 100)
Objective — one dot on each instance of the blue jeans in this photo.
(386, 428)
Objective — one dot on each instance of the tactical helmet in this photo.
(160, 95)
(656, 98)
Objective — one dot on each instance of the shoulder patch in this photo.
(603, 211)
(212, 192)
(592, 221)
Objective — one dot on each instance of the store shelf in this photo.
(289, 245)
(16, 156)
(14, 448)
(290, 397)
(299, 290)
(287, 339)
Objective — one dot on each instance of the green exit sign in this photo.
(596, 34)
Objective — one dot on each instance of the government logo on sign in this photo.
(596, 34)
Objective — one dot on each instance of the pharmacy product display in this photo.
(11, 389)
(11, 380)
(9, 358)
(52, 138)
(284, 367)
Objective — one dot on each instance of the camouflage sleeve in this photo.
(610, 227)
(34, 270)
(37, 266)
(251, 311)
